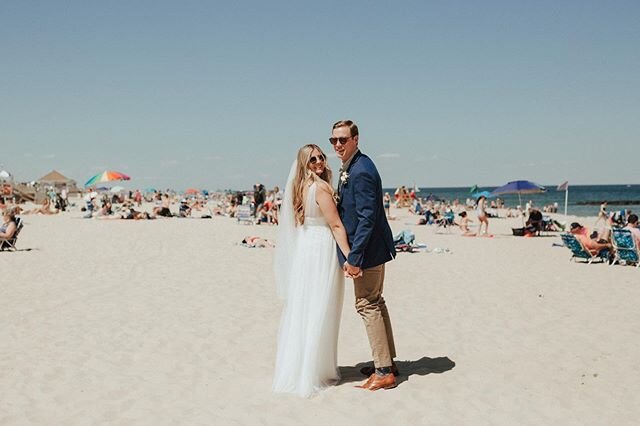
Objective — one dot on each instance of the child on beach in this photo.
(465, 220)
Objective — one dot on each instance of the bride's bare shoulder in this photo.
(324, 186)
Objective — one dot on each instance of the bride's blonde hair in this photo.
(304, 177)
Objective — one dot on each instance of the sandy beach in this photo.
(172, 321)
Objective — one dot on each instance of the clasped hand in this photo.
(351, 271)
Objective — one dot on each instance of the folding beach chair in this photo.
(243, 214)
(579, 251)
(446, 221)
(625, 247)
(10, 244)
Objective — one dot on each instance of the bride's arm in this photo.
(327, 205)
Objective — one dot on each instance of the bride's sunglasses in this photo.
(315, 159)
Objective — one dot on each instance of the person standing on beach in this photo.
(361, 209)
(602, 215)
(481, 211)
(309, 278)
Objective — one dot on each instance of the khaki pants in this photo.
(373, 310)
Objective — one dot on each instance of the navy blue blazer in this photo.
(362, 213)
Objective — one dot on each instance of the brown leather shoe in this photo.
(367, 383)
(368, 371)
(375, 382)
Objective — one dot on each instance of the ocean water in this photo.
(577, 194)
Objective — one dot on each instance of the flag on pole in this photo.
(563, 186)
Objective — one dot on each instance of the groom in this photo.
(362, 213)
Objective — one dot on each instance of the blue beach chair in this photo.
(579, 251)
(625, 247)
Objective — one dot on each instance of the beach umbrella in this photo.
(192, 191)
(473, 189)
(5, 174)
(519, 187)
(117, 189)
(485, 194)
(106, 176)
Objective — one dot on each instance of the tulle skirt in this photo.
(308, 336)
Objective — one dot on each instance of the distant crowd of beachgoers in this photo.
(262, 205)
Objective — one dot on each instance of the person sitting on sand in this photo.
(265, 214)
(163, 210)
(590, 244)
(185, 209)
(9, 225)
(416, 207)
(535, 222)
(132, 214)
(45, 208)
(251, 241)
(632, 225)
(105, 210)
(464, 222)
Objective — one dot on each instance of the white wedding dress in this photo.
(308, 337)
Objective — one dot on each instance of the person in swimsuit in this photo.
(482, 216)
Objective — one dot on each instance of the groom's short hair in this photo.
(347, 123)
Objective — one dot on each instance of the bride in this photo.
(309, 278)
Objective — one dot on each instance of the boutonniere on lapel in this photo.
(344, 178)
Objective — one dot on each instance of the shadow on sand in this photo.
(421, 367)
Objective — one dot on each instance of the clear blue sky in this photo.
(221, 94)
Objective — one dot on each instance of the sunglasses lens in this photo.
(342, 141)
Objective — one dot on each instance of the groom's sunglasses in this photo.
(341, 140)
(314, 159)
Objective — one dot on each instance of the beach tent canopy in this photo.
(56, 178)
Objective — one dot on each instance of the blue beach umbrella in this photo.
(519, 187)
